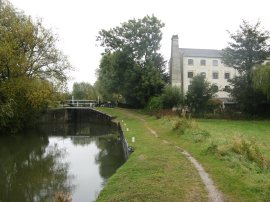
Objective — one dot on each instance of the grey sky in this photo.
(199, 24)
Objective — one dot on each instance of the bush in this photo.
(155, 103)
(171, 97)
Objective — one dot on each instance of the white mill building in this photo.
(185, 63)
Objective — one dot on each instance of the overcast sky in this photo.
(198, 23)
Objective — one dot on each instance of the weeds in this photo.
(246, 152)
(200, 135)
(181, 125)
(250, 151)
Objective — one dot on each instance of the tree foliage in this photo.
(199, 93)
(261, 79)
(131, 65)
(32, 69)
(171, 97)
(249, 47)
(84, 90)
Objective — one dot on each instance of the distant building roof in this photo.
(208, 53)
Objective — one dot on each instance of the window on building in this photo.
(215, 75)
(190, 61)
(215, 88)
(190, 75)
(227, 75)
(215, 62)
(189, 87)
(203, 62)
(227, 88)
(203, 74)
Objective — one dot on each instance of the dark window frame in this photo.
(190, 74)
(190, 62)
(226, 75)
(203, 62)
(215, 75)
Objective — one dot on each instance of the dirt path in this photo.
(213, 193)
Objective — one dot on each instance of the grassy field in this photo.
(236, 154)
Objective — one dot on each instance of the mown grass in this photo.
(236, 154)
(154, 172)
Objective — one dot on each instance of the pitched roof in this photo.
(209, 53)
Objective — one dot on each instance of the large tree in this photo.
(249, 47)
(32, 69)
(131, 65)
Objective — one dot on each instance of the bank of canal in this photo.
(156, 171)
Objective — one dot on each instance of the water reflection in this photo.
(29, 171)
(34, 167)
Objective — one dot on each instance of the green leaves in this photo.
(249, 46)
(261, 79)
(32, 70)
(199, 93)
(84, 90)
(131, 65)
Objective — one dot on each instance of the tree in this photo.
(171, 97)
(261, 79)
(84, 90)
(199, 93)
(28, 49)
(249, 47)
(131, 65)
(32, 70)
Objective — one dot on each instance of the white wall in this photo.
(197, 68)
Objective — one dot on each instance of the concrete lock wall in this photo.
(71, 115)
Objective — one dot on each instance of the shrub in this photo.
(171, 97)
(181, 125)
(155, 103)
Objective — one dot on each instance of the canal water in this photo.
(73, 160)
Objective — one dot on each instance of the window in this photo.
(227, 88)
(215, 75)
(203, 74)
(215, 62)
(189, 87)
(227, 75)
(190, 75)
(190, 61)
(215, 88)
(203, 62)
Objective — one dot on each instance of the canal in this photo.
(53, 160)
